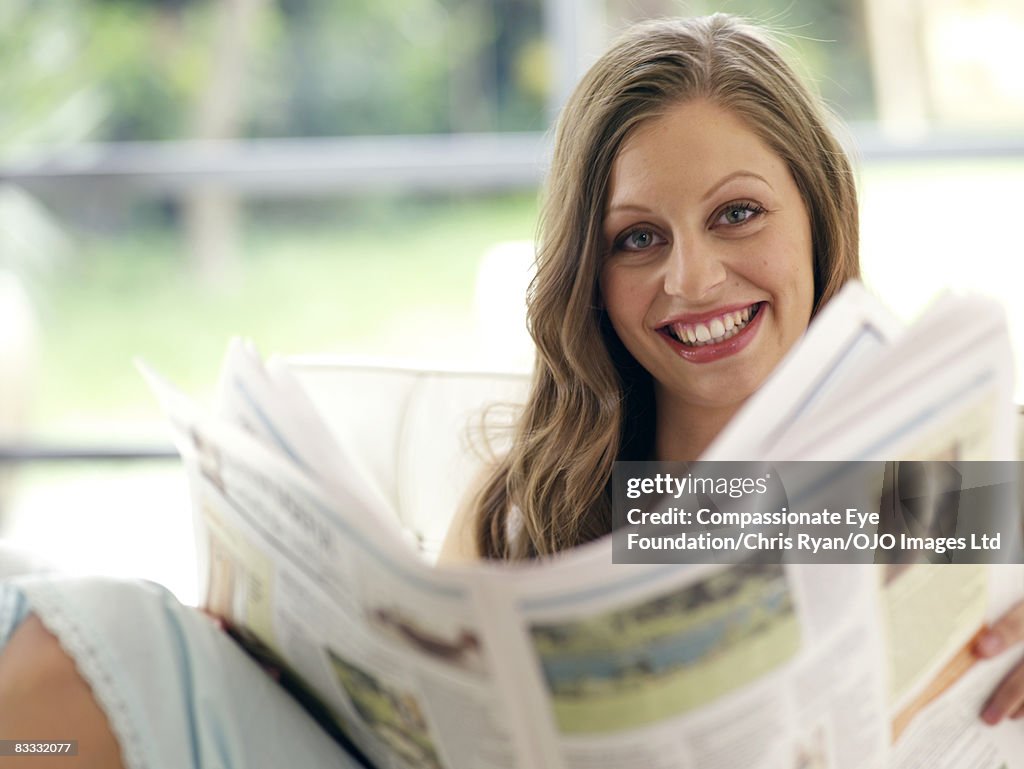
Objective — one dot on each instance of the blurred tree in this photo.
(406, 66)
(211, 213)
(520, 98)
(46, 96)
(150, 70)
(135, 69)
(149, 58)
(44, 99)
(131, 70)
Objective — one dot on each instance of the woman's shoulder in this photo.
(460, 544)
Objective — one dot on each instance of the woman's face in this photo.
(708, 279)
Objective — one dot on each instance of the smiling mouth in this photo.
(712, 331)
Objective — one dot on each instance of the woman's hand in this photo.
(1008, 698)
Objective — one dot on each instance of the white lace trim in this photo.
(94, 665)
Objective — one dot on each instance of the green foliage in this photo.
(113, 70)
(135, 69)
(45, 96)
(150, 62)
(405, 66)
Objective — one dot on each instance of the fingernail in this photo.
(989, 645)
(991, 715)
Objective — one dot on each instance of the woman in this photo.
(694, 179)
(698, 213)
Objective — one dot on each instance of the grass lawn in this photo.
(394, 279)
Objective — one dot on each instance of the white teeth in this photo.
(716, 330)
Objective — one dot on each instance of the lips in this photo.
(714, 337)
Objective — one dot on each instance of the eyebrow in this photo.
(735, 175)
(717, 186)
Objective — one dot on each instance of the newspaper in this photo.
(575, 663)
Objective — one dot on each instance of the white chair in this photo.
(419, 433)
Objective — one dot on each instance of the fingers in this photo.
(1008, 698)
(1007, 631)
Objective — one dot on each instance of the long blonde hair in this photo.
(591, 403)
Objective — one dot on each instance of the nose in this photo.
(693, 271)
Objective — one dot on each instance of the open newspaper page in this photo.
(567, 663)
(408, 660)
(274, 410)
(571, 663)
(668, 666)
(267, 401)
(943, 393)
(964, 416)
(932, 612)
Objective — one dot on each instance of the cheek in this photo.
(621, 297)
(803, 285)
(804, 267)
(807, 305)
(791, 277)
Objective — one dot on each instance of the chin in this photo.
(727, 391)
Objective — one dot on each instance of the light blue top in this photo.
(177, 691)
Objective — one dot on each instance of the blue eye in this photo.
(738, 213)
(637, 239)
